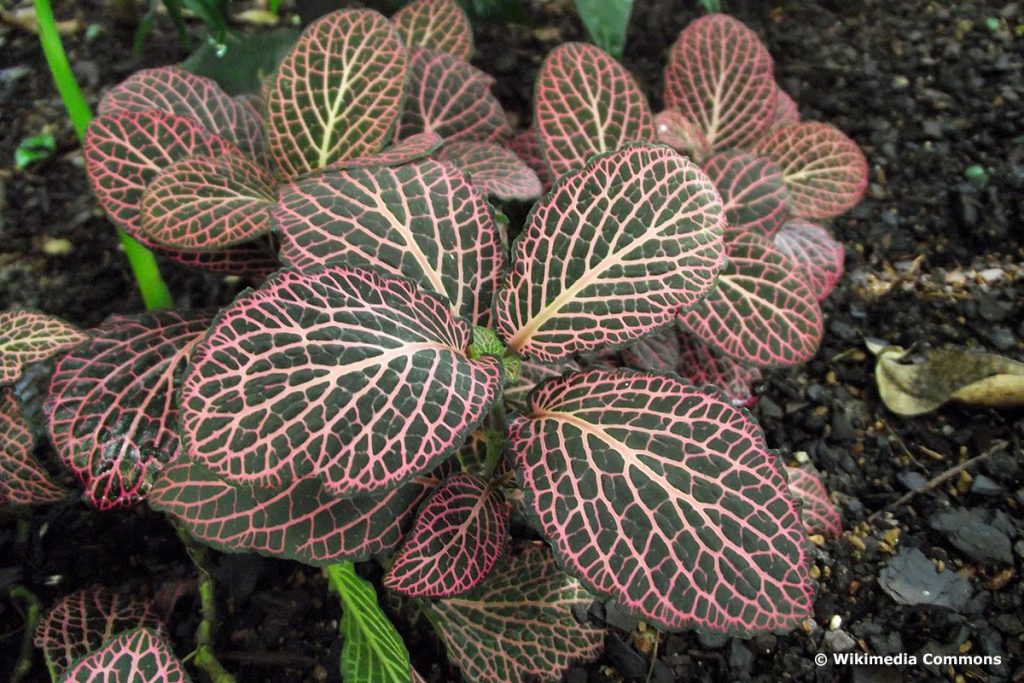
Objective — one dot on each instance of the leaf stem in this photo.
(23, 665)
(205, 659)
(143, 264)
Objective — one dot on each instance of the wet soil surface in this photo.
(928, 89)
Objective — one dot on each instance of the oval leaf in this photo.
(338, 93)
(205, 204)
(753, 190)
(658, 352)
(761, 312)
(527, 147)
(83, 621)
(126, 150)
(586, 103)
(173, 90)
(786, 109)
(814, 252)
(23, 481)
(424, 221)
(825, 171)
(438, 24)
(719, 75)
(452, 99)
(714, 541)
(139, 655)
(256, 258)
(493, 170)
(402, 152)
(611, 253)
(702, 365)
(299, 521)
(357, 378)
(27, 337)
(111, 409)
(459, 534)
(519, 625)
(681, 134)
(820, 516)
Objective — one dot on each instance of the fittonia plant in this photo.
(405, 383)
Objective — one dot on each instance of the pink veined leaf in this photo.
(126, 150)
(826, 172)
(207, 204)
(753, 190)
(814, 252)
(255, 258)
(720, 77)
(786, 110)
(681, 134)
(139, 655)
(527, 147)
(658, 352)
(611, 253)
(714, 539)
(23, 481)
(296, 521)
(111, 410)
(459, 534)
(532, 373)
(494, 170)
(423, 221)
(449, 97)
(437, 24)
(86, 619)
(762, 312)
(27, 337)
(412, 148)
(338, 94)
(702, 365)
(820, 516)
(357, 378)
(519, 625)
(173, 90)
(586, 103)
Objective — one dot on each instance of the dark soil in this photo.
(927, 89)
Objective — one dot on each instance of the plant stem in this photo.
(205, 659)
(24, 663)
(147, 274)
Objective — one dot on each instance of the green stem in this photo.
(24, 664)
(205, 659)
(147, 274)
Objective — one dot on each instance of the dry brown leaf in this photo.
(983, 379)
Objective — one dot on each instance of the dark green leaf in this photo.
(606, 22)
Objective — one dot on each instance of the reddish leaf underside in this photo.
(23, 481)
(819, 515)
(256, 258)
(84, 620)
(126, 150)
(586, 103)
(449, 97)
(355, 377)
(814, 252)
(493, 170)
(423, 221)
(438, 24)
(658, 352)
(664, 497)
(719, 76)
(611, 253)
(825, 171)
(527, 147)
(111, 410)
(27, 337)
(338, 94)
(786, 109)
(410, 149)
(681, 134)
(173, 90)
(761, 312)
(458, 536)
(296, 521)
(207, 204)
(138, 655)
(519, 625)
(753, 191)
(701, 364)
